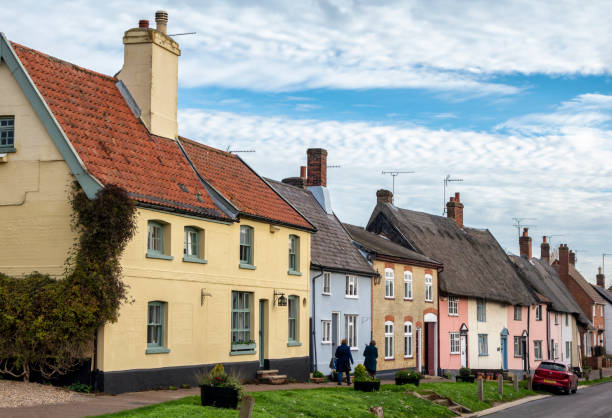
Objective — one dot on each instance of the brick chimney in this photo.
(564, 263)
(150, 73)
(601, 279)
(572, 258)
(525, 244)
(384, 196)
(297, 181)
(545, 250)
(317, 167)
(454, 209)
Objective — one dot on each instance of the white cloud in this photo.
(559, 178)
(278, 45)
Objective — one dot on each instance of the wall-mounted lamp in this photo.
(280, 298)
(203, 295)
(377, 278)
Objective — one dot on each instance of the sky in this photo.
(513, 97)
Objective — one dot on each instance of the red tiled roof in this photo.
(242, 186)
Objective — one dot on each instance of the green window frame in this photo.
(156, 245)
(241, 322)
(156, 328)
(246, 246)
(294, 252)
(7, 134)
(293, 310)
(481, 310)
(194, 240)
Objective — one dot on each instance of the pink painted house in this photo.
(453, 340)
(517, 330)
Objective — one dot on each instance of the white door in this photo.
(464, 351)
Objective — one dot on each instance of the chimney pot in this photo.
(545, 250)
(601, 279)
(317, 167)
(454, 210)
(161, 19)
(143, 24)
(572, 258)
(564, 264)
(303, 171)
(457, 197)
(384, 196)
(525, 244)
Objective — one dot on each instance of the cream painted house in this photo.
(219, 268)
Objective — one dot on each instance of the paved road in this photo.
(591, 402)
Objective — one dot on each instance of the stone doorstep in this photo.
(266, 372)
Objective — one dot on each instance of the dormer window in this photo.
(7, 134)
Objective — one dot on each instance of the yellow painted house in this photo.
(218, 270)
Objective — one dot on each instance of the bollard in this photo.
(529, 383)
(246, 407)
(480, 393)
(515, 381)
(500, 384)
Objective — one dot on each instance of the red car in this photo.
(555, 375)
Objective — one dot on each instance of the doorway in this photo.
(463, 350)
(335, 333)
(262, 332)
(429, 351)
(504, 348)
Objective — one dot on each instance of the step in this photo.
(278, 379)
(266, 372)
(443, 402)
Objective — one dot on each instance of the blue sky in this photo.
(514, 98)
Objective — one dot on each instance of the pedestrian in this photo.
(344, 359)
(370, 354)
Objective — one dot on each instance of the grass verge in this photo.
(594, 382)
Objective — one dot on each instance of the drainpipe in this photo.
(313, 367)
(527, 345)
(548, 331)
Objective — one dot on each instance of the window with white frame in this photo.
(388, 340)
(453, 306)
(481, 310)
(327, 283)
(326, 332)
(538, 313)
(389, 283)
(556, 350)
(518, 313)
(537, 350)
(556, 318)
(351, 286)
(483, 344)
(568, 350)
(567, 320)
(428, 288)
(454, 343)
(518, 346)
(350, 322)
(407, 339)
(407, 284)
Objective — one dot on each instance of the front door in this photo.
(334, 330)
(504, 352)
(262, 330)
(430, 348)
(463, 350)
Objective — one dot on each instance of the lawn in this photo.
(323, 402)
(593, 382)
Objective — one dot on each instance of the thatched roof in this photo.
(330, 247)
(474, 263)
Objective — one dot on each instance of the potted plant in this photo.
(404, 376)
(363, 381)
(465, 375)
(317, 377)
(219, 389)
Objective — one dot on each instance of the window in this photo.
(156, 327)
(568, 350)
(241, 321)
(351, 286)
(601, 309)
(158, 240)
(293, 309)
(483, 344)
(246, 245)
(538, 313)
(407, 285)
(389, 281)
(518, 346)
(454, 343)
(537, 350)
(388, 340)
(567, 320)
(194, 239)
(407, 339)
(556, 318)
(428, 288)
(351, 330)
(481, 310)
(453, 306)
(327, 283)
(518, 313)
(7, 133)
(326, 332)
(556, 347)
(294, 251)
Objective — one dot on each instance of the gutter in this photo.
(313, 366)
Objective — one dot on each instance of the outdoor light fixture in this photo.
(280, 298)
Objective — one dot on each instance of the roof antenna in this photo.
(182, 34)
(236, 151)
(447, 180)
(518, 224)
(394, 174)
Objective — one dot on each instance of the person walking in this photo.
(370, 354)
(344, 359)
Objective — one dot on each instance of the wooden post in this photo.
(480, 393)
(601, 373)
(500, 384)
(515, 381)
(246, 407)
(529, 382)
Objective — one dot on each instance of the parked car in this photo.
(555, 375)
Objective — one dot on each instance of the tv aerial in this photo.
(447, 179)
(394, 174)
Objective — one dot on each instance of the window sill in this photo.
(408, 356)
(453, 314)
(193, 259)
(351, 297)
(455, 354)
(429, 301)
(294, 273)
(389, 358)
(294, 344)
(157, 350)
(242, 353)
(483, 355)
(326, 342)
(326, 294)
(7, 149)
(354, 348)
(159, 256)
(246, 266)
(390, 297)
(410, 299)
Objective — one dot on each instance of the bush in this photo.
(465, 372)
(361, 375)
(218, 377)
(317, 373)
(80, 387)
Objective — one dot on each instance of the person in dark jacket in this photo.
(344, 359)
(370, 354)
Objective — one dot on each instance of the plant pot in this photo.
(367, 386)
(219, 397)
(318, 379)
(406, 380)
(466, 379)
